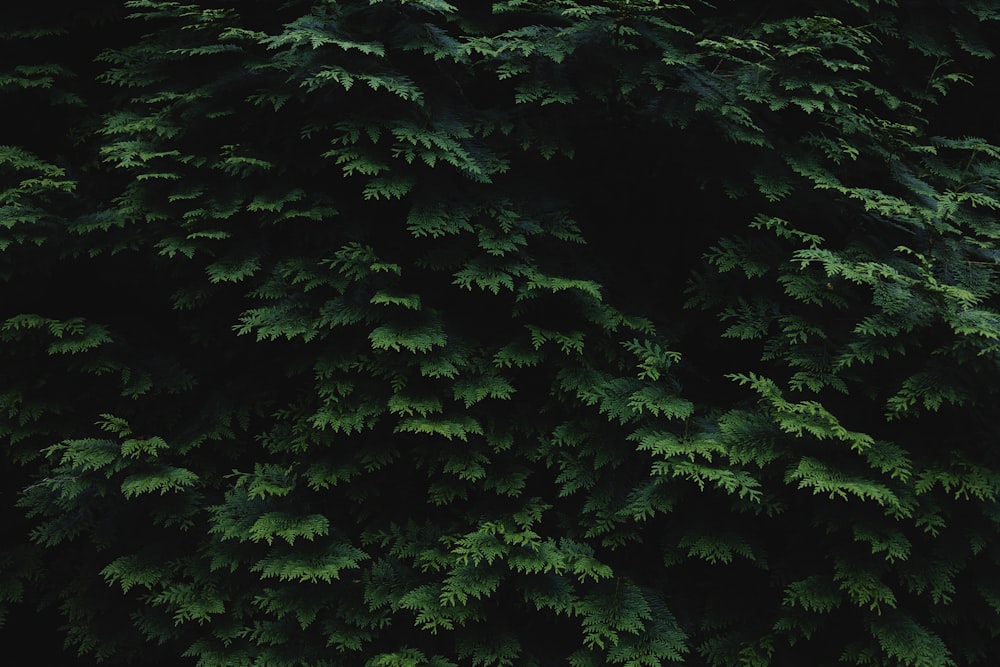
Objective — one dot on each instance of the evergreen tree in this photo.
(408, 333)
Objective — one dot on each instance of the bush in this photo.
(407, 333)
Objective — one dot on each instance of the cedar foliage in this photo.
(344, 333)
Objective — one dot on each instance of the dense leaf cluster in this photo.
(408, 333)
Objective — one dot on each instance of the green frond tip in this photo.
(421, 339)
(163, 479)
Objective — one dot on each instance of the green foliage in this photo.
(406, 333)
